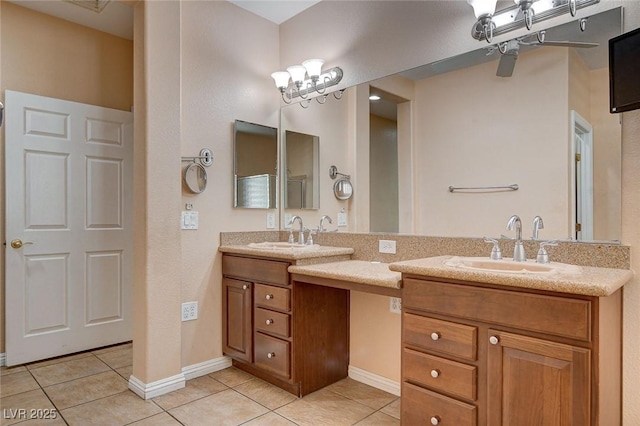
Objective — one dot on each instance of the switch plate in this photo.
(189, 311)
(342, 219)
(395, 305)
(387, 246)
(287, 221)
(271, 220)
(189, 220)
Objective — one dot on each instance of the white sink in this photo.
(272, 245)
(508, 266)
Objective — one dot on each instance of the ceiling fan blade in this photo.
(507, 64)
(578, 44)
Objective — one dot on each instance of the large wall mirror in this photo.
(302, 186)
(255, 166)
(470, 127)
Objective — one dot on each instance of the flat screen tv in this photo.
(624, 72)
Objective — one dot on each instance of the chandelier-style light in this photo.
(523, 14)
(302, 80)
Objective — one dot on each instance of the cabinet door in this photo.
(537, 382)
(236, 319)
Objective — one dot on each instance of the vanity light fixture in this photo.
(302, 80)
(524, 13)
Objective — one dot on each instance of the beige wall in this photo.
(50, 57)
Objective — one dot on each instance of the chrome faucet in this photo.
(321, 227)
(538, 224)
(518, 250)
(301, 232)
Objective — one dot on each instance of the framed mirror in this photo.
(302, 185)
(255, 167)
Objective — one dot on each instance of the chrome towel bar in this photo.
(513, 187)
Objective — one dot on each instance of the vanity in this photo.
(479, 346)
(479, 351)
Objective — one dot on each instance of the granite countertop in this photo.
(289, 253)
(357, 271)
(589, 281)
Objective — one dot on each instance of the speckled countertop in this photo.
(289, 254)
(357, 271)
(589, 281)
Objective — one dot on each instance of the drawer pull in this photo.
(245, 287)
(269, 322)
(435, 374)
(271, 355)
(269, 296)
(435, 420)
(494, 340)
(435, 335)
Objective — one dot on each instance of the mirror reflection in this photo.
(465, 121)
(302, 186)
(255, 165)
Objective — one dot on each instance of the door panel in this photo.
(69, 175)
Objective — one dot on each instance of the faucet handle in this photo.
(543, 255)
(496, 254)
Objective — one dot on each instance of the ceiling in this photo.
(117, 17)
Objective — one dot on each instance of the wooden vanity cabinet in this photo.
(291, 334)
(476, 354)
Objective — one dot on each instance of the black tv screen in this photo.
(624, 72)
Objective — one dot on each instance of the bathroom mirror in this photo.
(195, 178)
(342, 189)
(473, 128)
(255, 166)
(302, 186)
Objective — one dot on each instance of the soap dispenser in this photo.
(291, 239)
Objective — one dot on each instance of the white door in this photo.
(582, 135)
(69, 201)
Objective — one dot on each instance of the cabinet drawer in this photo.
(442, 336)
(422, 407)
(272, 297)
(559, 316)
(272, 322)
(272, 354)
(255, 269)
(440, 374)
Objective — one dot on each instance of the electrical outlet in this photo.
(387, 246)
(271, 220)
(395, 305)
(189, 311)
(287, 220)
(342, 219)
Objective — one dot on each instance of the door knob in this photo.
(17, 243)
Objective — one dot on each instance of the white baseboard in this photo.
(160, 387)
(374, 380)
(3, 359)
(157, 388)
(206, 367)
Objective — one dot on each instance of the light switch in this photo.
(189, 220)
(342, 219)
(271, 220)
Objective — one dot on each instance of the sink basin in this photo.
(277, 245)
(508, 266)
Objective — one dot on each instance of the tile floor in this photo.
(91, 388)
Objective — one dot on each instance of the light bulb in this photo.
(281, 78)
(313, 67)
(483, 7)
(297, 73)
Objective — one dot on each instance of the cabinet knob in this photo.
(245, 287)
(435, 374)
(269, 296)
(269, 321)
(494, 340)
(435, 420)
(435, 335)
(271, 355)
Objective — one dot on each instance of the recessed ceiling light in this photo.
(374, 98)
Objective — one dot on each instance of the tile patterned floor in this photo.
(91, 388)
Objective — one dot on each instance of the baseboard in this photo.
(157, 388)
(206, 367)
(374, 380)
(3, 359)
